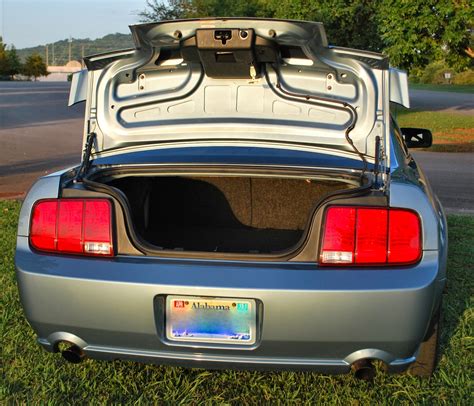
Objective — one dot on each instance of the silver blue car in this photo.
(245, 199)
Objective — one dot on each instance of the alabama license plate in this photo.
(211, 320)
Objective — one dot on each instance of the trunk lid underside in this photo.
(239, 80)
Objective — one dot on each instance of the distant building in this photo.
(60, 73)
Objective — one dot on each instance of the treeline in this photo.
(418, 35)
(57, 53)
(10, 64)
(413, 33)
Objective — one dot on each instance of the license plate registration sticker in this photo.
(211, 320)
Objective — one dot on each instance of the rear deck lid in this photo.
(239, 80)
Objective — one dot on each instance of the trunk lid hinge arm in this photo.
(379, 164)
(86, 157)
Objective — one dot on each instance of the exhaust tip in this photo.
(364, 370)
(73, 354)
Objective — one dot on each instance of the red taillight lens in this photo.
(69, 226)
(43, 225)
(74, 226)
(339, 236)
(404, 239)
(97, 232)
(370, 236)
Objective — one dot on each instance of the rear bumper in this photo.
(311, 318)
(226, 361)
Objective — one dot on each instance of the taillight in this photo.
(370, 236)
(72, 226)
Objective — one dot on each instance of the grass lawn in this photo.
(452, 132)
(31, 375)
(443, 88)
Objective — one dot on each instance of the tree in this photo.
(348, 23)
(10, 63)
(413, 33)
(416, 32)
(228, 8)
(157, 10)
(34, 66)
(13, 62)
(3, 59)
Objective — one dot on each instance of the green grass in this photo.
(452, 132)
(436, 121)
(33, 376)
(443, 88)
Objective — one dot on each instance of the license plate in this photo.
(210, 320)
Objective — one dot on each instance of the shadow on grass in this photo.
(458, 292)
(467, 147)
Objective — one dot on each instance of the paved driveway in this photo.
(40, 134)
(462, 103)
(451, 176)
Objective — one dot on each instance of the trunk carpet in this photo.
(222, 214)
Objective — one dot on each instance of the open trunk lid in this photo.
(212, 81)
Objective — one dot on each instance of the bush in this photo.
(464, 78)
(415, 75)
(35, 67)
(434, 73)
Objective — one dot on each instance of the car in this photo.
(245, 199)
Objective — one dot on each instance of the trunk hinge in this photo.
(86, 157)
(379, 165)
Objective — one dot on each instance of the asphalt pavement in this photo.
(461, 103)
(451, 175)
(40, 134)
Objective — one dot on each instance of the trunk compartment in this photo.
(223, 214)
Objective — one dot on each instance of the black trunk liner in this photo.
(224, 239)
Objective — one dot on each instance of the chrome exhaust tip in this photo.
(73, 354)
(363, 370)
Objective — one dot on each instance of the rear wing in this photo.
(78, 91)
(399, 87)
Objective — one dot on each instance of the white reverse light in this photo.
(337, 257)
(101, 248)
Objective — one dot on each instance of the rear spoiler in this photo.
(399, 87)
(78, 91)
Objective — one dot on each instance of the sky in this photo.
(27, 23)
